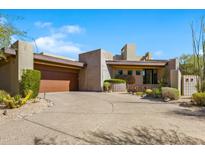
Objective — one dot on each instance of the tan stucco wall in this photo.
(89, 78)
(173, 64)
(105, 70)
(24, 57)
(96, 71)
(128, 52)
(11, 71)
(9, 76)
(175, 79)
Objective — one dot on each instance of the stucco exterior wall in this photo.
(96, 71)
(128, 52)
(9, 76)
(105, 70)
(173, 64)
(89, 77)
(175, 79)
(24, 55)
(11, 71)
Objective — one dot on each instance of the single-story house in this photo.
(88, 73)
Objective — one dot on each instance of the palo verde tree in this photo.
(7, 31)
(198, 43)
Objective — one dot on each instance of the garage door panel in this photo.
(54, 79)
(54, 85)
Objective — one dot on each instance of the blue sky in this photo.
(165, 33)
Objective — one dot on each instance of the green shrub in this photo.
(106, 86)
(30, 81)
(139, 93)
(171, 93)
(130, 79)
(199, 98)
(157, 92)
(148, 91)
(200, 86)
(203, 86)
(3, 94)
(117, 81)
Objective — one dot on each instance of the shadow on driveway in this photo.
(135, 136)
(200, 113)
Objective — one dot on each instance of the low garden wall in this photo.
(115, 85)
(136, 87)
(119, 87)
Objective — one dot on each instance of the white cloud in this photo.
(58, 40)
(54, 45)
(42, 24)
(71, 29)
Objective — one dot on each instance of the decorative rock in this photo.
(5, 112)
(166, 99)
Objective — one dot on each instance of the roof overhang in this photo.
(149, 63)
(53, 61)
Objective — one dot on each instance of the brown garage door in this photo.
(57, 79)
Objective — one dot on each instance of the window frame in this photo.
(129, 71)
(139, 72)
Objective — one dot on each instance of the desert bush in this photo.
(139, 93)
(171, 93)
(199, 99)
(128, 78)
(148, 92)
(30, 81)
(117, 81)
(106, 86)
(157, 92)
(16, 101)
(3, 94)
(203, 86)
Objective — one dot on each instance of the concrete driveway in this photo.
(76, 113)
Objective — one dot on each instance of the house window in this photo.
(138, 72)
(150, 76)
(119, 72)
(129, 72)
(155, 80)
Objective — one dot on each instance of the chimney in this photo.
(128, 52)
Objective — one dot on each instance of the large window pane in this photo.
(150, 76)
(155, 80)
(119, 72)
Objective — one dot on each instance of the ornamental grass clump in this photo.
(157, 92)
(106, 86)
(148, 92)
(170, 93)
(199, 99)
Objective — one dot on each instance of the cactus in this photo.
(16, 101)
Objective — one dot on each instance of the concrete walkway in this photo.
(77, 113)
